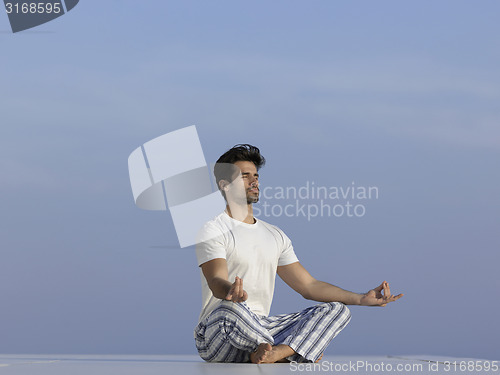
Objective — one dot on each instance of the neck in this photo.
(242, 213)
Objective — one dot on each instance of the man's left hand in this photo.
(375, 297)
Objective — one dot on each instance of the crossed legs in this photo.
(233, 333)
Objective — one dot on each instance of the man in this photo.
(234, 325)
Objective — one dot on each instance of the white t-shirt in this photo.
(252, 252)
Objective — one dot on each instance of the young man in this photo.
(234, 325)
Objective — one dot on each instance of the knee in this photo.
(228, 311)
(336, 310)
(227, 316)
(343, 308)
(346, 312)
(231, 307)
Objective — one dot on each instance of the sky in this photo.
(401, 96)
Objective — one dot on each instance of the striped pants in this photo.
(231, 331)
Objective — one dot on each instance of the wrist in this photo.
(359, 298)
(220, 288)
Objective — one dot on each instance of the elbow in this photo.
(306, 295)
(307, 291)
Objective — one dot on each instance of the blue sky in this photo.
(402, 96)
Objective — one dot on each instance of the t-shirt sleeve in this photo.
(287, 255)
(210, 244)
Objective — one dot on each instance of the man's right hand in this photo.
(236, 293)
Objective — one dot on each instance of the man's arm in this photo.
(297, 277)
(216, 274)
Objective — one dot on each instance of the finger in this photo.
(241, 289)
(397, 297)
(394, 298)
(230, 293)
(236, 286)
(379, 288)
(387, 290)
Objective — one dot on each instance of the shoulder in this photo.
(276, 231)
(213, 228)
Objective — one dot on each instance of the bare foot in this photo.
(266, 353)
(261, 353)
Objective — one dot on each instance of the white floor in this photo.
(24, 364)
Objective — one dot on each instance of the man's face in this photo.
(247, 182)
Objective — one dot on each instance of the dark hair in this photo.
(240, 152)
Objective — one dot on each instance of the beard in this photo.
(251, 200)
(252, 197)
